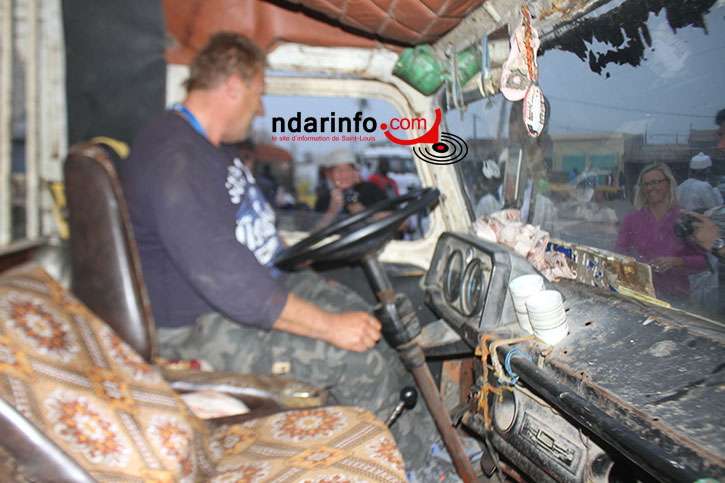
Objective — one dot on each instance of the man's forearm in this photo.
(355, 331)
(301, 317)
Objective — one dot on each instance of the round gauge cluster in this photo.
(464, 284)
(452, 276)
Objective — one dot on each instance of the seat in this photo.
(79, 404)
(107, 278)
(106, 270)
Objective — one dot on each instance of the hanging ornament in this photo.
(534, 110)
(515, 78)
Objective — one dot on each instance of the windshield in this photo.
(611, 114)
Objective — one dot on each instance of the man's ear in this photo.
(234, 86)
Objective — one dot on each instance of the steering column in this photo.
(400, 328)
(358, 238)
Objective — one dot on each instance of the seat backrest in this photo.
(106, 269)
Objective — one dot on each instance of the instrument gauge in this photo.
(473, 287)
(452, 276)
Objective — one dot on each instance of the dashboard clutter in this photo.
(529, 241)
(505, 227)
(547, 316)
(522, 288)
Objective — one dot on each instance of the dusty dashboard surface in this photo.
(631, 382)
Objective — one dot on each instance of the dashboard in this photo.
(613, 401)
(467, 284)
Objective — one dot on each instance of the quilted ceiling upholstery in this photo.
(345, 23)
(405, 21)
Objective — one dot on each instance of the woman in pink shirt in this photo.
(647, 234)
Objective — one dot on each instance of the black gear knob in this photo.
(408, 398)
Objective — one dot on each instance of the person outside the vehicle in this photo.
(709, 234)
(647, 235)
(709, 229)
(207, 242)
(574, 176)
(382, 180)
(348, 194)
(622, 184)
(696, 193)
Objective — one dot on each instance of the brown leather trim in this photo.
(106, 268)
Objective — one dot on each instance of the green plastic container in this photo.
(419, 67)
(469, 63)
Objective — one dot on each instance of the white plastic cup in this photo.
(521, 288)
(553, 336)
(526, 284)
(547, 316)
(545, 300)
(524, 322)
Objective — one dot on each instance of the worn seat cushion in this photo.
(95, 397)
(328, 444)
(91, 393)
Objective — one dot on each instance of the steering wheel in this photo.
(356, 236)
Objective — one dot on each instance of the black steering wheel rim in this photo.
(302, 252)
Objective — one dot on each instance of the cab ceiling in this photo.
(397, 24)
(344, 23)
(354, 23)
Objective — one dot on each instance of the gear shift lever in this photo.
(408, 398)
(400, 329)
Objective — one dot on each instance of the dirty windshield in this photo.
(618, 99)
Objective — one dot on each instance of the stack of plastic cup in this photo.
(547, 316)
(522, 288)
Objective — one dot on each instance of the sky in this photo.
(679, 86)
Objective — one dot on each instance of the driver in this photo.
(207, 240)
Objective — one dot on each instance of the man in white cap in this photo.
(696, 193)
(348, 194)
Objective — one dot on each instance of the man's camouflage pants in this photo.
(372, 380)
